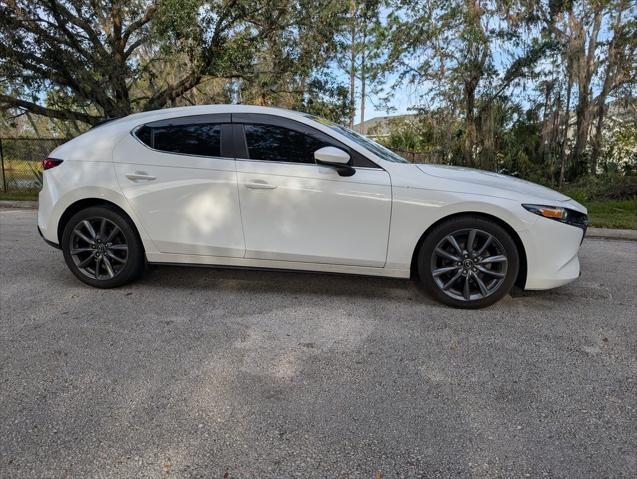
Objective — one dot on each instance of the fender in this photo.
(415, 210)
(100, 194)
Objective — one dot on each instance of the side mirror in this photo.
(336, 158)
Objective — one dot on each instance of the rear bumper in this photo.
(50, 243)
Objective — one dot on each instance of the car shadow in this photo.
(280, 281)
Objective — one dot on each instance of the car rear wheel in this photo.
(468, 262)
(102, 248)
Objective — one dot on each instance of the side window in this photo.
(202, 139)
(276, 143)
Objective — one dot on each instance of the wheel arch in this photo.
(84, 203)
(520, 281)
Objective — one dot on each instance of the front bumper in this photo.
(552, 253)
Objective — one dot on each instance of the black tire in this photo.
(123, 252)
(483, 274)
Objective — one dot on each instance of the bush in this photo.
(603, 187)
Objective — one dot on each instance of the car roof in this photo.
(206, 110)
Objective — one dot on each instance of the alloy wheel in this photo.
(469, 264)
(98, 248)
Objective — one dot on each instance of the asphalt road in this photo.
(196, 372)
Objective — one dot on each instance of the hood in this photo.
(497, 181)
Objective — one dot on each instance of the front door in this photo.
(295, 210)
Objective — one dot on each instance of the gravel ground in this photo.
(196, 372)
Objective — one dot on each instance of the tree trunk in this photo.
(352, 70)
(565, 127)
(601, 107)
(553, 137)
(585, 74)
(601, 113)
(363, 93)
(545, 120)
(470, 124)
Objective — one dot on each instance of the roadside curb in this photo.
(31, 205)
(607, 233)
(591, 233)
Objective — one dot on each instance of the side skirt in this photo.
(195, 260)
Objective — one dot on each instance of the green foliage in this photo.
(612, 186)
(82, 60)
(619, 148)
(613, 214)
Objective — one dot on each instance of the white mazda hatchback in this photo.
(255, 187)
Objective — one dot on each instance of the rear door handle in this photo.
(260, 185)
(140, 176)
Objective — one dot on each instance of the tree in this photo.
(85, 60)
(291, 69)
(446, 48)
(596, 50)
(361, 47)
(620, 69)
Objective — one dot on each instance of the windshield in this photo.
(363, 141)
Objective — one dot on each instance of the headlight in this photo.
(557, 213)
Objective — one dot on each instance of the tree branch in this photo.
(7, 102)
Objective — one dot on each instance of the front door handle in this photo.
(140, 176)
(260, 185)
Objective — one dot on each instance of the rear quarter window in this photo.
(201, 139)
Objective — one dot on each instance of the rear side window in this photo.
(276, 143)
(203, 139)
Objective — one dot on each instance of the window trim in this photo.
(233, 140)
(221, 119)
(291, 124)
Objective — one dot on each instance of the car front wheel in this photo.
(468, 262)
(101, 247)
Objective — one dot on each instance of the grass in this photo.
(621, 214)
(18, 195)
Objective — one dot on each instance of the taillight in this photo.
(50, 163)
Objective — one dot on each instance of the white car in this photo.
(255, 187)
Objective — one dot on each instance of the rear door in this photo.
(181, 182)
(296, 210)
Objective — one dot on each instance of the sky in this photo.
(403, 98)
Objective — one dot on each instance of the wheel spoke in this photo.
(471, 239)
(103, 228)
(85, 263)
(495, 274)
(97, 267)
(467, 289)
(481, 285)
(119, 247)
(450, 283)
(494, 259)
(82, 236)
(81, 250)
(87, 225)
(443, 253)
(447, 269)
(108, 266)
(112, 256)
(455, 244)
(486, 244)
(112, 234)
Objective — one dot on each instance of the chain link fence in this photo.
(20, 162)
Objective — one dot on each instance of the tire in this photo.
(102, 248)
(468, 278)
